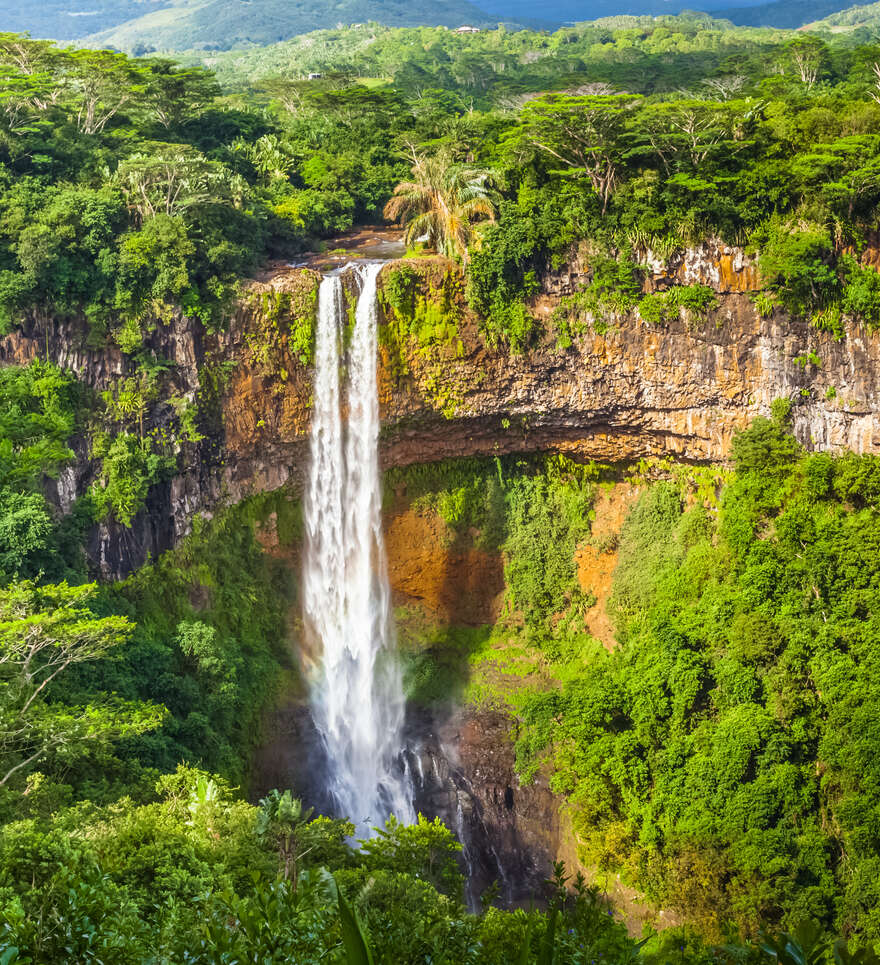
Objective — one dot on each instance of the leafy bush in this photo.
(130, 465)
(861, 292)
(718, 759)
(548, 515)
(696, 301)
(798, 266)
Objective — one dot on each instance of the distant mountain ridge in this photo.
(144, 26)
(141, 26)
(222, 24)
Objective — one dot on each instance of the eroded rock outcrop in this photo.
(629, 391)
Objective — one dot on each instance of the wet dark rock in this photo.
(460, 763)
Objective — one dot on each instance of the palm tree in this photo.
(280, 819)
(442, 203)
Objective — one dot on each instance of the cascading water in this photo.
(357, 695)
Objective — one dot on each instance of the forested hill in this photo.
(864, 15)
(225, 24)
(723, 761)
(787, 14)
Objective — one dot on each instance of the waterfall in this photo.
(356, 693)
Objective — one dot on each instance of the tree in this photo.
(726, 86)
(101, 82)
(174, 93)
(29, 82)
(846, 172)
(44, 631)
(809, 56)
(269, 155)
(36, 419)
(442, 203)
(583, 132)
(23, 97)
(692, 131)
(280, 819)
(171, 178)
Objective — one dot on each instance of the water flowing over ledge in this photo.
(356, 690)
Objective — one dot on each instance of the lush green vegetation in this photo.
(864, 15)
(134, 188)
(722, 757)
(780, 13)
(129, 189)
(212, 25)
(727, 740)
(199, 876)
(656, 134)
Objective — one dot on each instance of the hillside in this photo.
(496, 64)
(862, 15)
(72, 19)
(225, 24)
(142, 26)
(787, 14)
(486, 428)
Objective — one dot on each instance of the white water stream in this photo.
(357, 696)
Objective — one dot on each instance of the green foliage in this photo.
(797, 266)
(503, 270)
(131, 187)
(615, 288)
(548, 515)
(357, 948)
(694, 301)
(127, 883)
(767, 445)
(422, 315)
(281, 819)
(467, 494)
(208, 644)
(129, 467)
(128, 187)
(426, 849)
(44, 631)
(436, 660)
(40, 413)
(706, 758)
(861, 293)
(36, 420)
(444, 205)
(284, 320)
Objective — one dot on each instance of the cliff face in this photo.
(634, 390)
(115, 550)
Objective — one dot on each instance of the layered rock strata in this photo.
(621, 393)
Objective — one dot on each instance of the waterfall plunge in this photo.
(357, 696)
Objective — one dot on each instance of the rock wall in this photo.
(632, 391)
(115, 550)
(628, 392)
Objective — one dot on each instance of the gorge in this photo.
(633, 393)
(440, 498)
(618, 396)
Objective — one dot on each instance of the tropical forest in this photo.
(439, 484)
